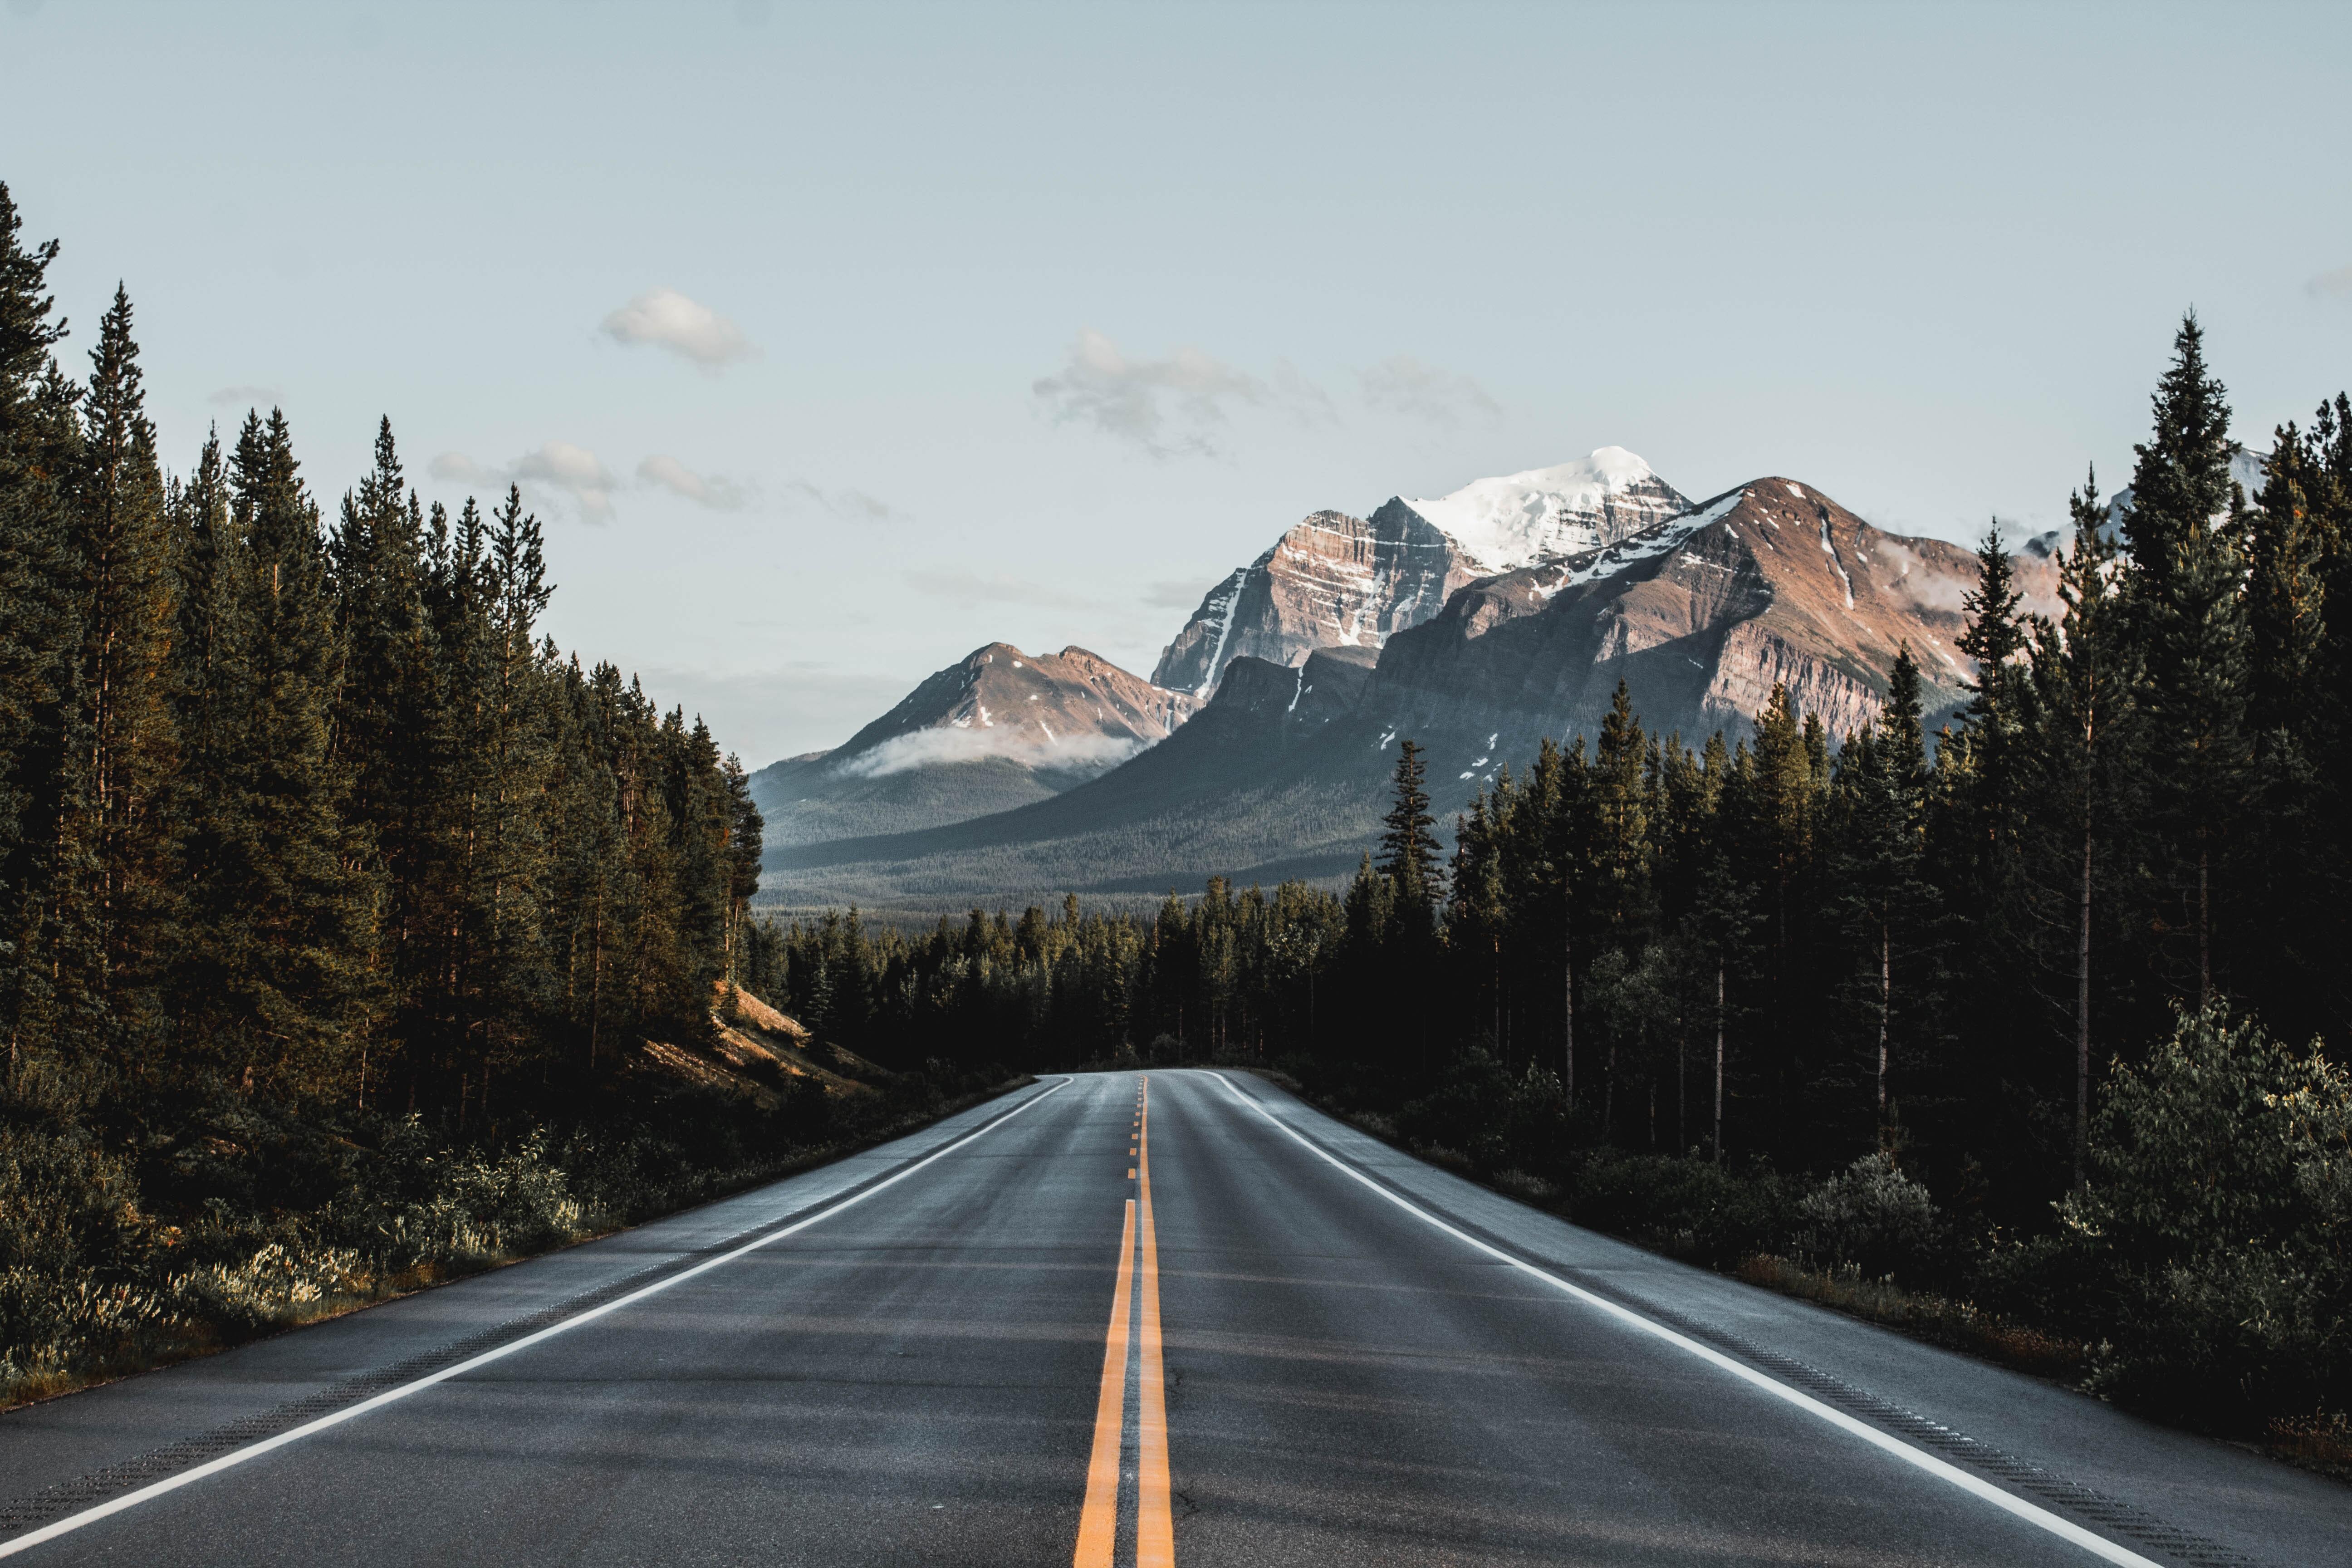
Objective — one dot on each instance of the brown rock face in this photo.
(1067, 712)
(1332, 581)
(1336, 581)
(1772, 584)
(996, 729)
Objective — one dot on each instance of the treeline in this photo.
(311, 846)
(308, 810)
(1998, 964)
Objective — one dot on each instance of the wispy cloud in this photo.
(557, 468)
(1401, 384)
(849, 505)
(245, 398)
(1168, 407)
(2335, 285)
(668, 319)
(966, 585)
(716, 491)
(457, 469)
(929, 748)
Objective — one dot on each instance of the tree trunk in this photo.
(2082, 1016)
(1886, 1005)
(1567, 1006)
(1719, 1061)
(2204, 927)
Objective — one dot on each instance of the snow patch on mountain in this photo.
(1645, 545)
(1516, 520)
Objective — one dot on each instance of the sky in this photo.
(831, 342)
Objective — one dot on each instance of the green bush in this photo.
(2218, 1216)
(1690, 1207)
(1873, 1218)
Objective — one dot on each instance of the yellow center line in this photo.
(1155, 1534)
(1098, 1524)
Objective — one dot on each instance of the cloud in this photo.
(849, 505)
(966, 586)
(926, 748)
(561, 466)
(558, 466)
(668, 319)
(1403, 384)
(1173, 595)
(457, 469)
(2335, 285)
(1165, 406)
(716, 491)
(244, 396)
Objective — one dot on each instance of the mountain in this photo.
(1285, 771)
(1520, 520)
(995, 730)
(1334, 580)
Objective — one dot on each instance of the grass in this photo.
(1938, 1320)
(488, 1216)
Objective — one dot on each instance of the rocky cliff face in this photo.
(1066, 710)
(1773, 584)
(998, 729)
(1340, 581)
(1332, 581)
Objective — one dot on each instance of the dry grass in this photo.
(1958, 1325)
(2320, 1441)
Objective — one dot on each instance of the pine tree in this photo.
(273, 988)
(2085, 678)
(108, 911)
(1409, 853)
(1888, 902)
(38, 438)
(2190, 617)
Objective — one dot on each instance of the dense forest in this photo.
(336, 904)
(1998, 1008)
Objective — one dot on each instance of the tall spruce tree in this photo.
(2186, 587)
(108, 909)
(1409, 853)
(1880, 876)
(2084, 781)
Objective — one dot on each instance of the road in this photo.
(1121, 1317)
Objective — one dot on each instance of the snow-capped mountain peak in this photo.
(1516, 520)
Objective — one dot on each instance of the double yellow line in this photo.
(1155, 1537)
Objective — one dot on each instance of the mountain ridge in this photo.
(1286, 767)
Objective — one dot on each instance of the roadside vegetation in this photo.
(351, 936)
(2022, 1027)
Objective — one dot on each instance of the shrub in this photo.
(2219, 1213)
(1870, 1217)
(1690, 1207)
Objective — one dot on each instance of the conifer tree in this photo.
(38, 438)
(109, 913)
(274, 988)
(1409, 853)
(2084, 673)
(1888, 900)
(2190, 617)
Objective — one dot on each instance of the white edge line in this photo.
(173, 1483)
(2064, 1529)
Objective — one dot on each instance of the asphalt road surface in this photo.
(1174, 1317)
